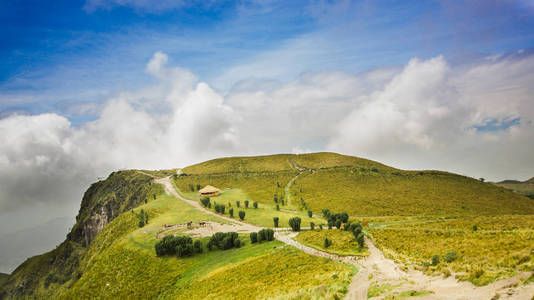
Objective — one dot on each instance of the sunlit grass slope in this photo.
(121, 262)
(488, 247)
(356, 185)
(343, 242)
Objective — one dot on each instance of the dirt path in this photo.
(376, 268)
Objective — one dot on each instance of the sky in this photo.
(89, 87)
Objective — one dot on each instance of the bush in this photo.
(283, 203)
(246, 203)
(191, 187)
(220, 208)
(320, 226)
(238, 204)
(275, 198)
(275, 220)
(327, 243)
(326, 212)
(360, 240)
(231, 212)
(205, 201)
(224, 240)
(237, 243)
(255, 204)
(475, 227)
(310, 213)
(179, 245)
(346, 226)
(253, 237)
(435, 260)
(295, 223)
(198, 246)
(450, 256)
(312, 225)
(242, 215)
(198, 187)
(143, 218)
(338, 224)
(265, 234)
(277, 207)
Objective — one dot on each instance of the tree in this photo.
(246, 203)
(238, 204)
(327, 243)
(253, 237)
(198, 187)
(320, 226)
(231, 212)
(310, 213)
(255, 204)
(175, 176)
(295, 223)
(191, 187)
(277, 207)
(338, 224)
(275, 198)
(154, 195)
(283, 202)
(326, 212)
(482, 179)
(143, 218)
(205, 201)
(242, 215)
(435, 260)
(275, 220)
(312, 225)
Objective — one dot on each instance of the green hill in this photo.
(108, 255)
(358, 186)
(522, 187)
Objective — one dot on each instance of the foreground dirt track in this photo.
(377, 269)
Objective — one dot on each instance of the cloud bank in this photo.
(475, 119)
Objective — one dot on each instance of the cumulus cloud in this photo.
(475, 119)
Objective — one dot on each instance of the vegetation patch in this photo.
(500, 247)
(342, 242)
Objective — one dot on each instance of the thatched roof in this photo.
(208, 189)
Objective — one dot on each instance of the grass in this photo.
(362, 191)
(500, 247)
(261, 216)
(121, 263)
(269, 163)
(376, 289)
(343, 242)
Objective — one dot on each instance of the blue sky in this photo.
(64, 52)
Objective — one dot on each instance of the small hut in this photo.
(209, 191)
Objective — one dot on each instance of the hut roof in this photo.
(209, 189)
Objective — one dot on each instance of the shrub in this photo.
(277, 207)
(327, 243)
(326, 212)
(360, 240)
(223, 240)
(237, 243)
(198, 187)
(179, 245)
(275, 198)
(338, 224)
(255, 204)
(283, 203)
(238, 204)
(475, 227)
(205, 201)
(253, 237)
(246, 203)
(198, 246)
(143, 218)
(220, 208)
(275, 220)
(329, 225)
(346, 226)
(191, 187)
(310, 213)
(321, 226)
(312, 225)
(435, 260)
(231, 212)
(295, 223)
(450, 257)
(265, 234)
(242, 215)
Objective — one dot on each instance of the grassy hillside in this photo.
(120, 262)
(48, 274)
(522, 187)
(355, 185)
(3, 278)
(487, 247)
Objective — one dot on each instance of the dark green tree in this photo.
(275, 220)
(294, 223)
(310, 213)
(242, 215)
(246, 203)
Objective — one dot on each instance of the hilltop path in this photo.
(376, 268)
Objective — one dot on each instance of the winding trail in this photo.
(376, 268)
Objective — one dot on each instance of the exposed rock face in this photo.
(96, 223)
